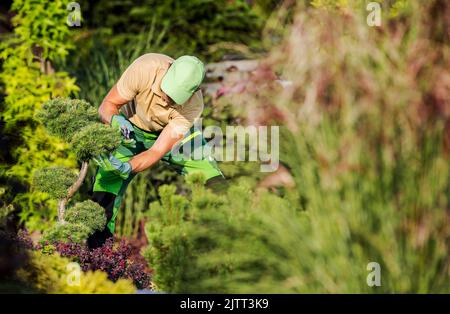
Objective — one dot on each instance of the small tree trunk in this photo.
(72, 190)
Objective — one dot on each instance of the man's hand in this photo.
(111, 163)
(125, 127)
(122, 124)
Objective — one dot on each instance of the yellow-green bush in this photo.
(49, 273)
(98, 283)
(40, 37)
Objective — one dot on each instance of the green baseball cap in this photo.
(183, 78)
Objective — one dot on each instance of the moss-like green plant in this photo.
(55, 181)
(28, 79)
(80, 221)
(95, 139)
(63, 117)
(67, 232)
(88, 213)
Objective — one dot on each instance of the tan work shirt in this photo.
(140, 85)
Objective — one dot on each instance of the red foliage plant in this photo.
(117, 260)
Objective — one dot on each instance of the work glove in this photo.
(111, 163)
(119, 122)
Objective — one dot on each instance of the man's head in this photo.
(183, 78)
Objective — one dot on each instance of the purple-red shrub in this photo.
(116, 260)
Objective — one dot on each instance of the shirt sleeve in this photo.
(136, 78)
(183, 118)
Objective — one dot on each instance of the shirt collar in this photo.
(156, 86)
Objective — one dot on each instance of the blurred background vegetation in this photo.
(364, 114)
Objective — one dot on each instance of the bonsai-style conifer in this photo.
(75, 122)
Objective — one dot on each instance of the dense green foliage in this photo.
(63, 117)
(258, 242)
(66, 232)
(54, 181)
(87, 213)
(184, 27)
(76, 122)
(81, 220)
(28, 79)
(95, 139)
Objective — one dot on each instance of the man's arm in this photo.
(166, 140)
(110, 105)
(163, 144)
(180, 123)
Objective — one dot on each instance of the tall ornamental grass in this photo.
(365, 135)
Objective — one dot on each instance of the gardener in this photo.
(159, 100)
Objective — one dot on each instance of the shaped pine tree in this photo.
(76, 122)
